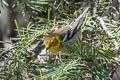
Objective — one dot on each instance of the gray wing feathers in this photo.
(73, 27)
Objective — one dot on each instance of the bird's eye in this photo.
(52, 42)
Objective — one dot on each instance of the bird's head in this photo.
(52, 42)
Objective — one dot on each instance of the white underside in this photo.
(42, 57)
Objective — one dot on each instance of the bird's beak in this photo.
(47, 48)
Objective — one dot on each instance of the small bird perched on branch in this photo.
(53, 42)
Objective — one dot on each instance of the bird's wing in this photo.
(66, 33)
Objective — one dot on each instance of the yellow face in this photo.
(52, 42)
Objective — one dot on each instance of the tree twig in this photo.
(109, 34)
(95, 8)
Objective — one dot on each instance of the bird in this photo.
(53, 42)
